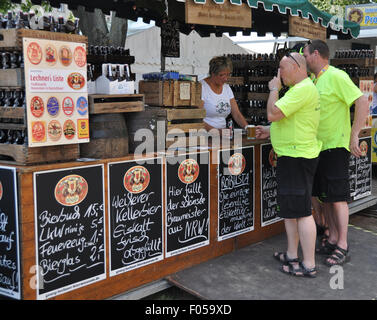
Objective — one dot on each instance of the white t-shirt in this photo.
(217, 105)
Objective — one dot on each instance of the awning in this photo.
(267, 15)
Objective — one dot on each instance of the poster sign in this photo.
(187, 202)
(365, 15)
(69, 227)
(9, 235)
(56, 92)
(135, 214)
(360, 171)
(235, 192)
(170, 45)
(268, 185)
(306, 28)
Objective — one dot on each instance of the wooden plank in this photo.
(183, 114)
(13, 113)
(185, 127)
(12, 77)
(117, 107)
(306, 28)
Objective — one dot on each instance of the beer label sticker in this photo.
(83, 128)
(76, 81)
(1, 190)
(68, 106)
(52, 106)
(34, 53)
(79, 55)
(54, 130)
(51, 54)
(36, 106)
(188, 171)
(71, 190)
(38, 131)
(136, 179)
(82, 106)
(65, 56)
(69, 129)
(363, 148)
(236, 164)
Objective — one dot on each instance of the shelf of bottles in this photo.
(356, 63)
(111, 62)
(251, 94)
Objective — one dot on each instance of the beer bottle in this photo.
(110, 72)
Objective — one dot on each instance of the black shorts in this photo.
(331, 181)
(294, 186)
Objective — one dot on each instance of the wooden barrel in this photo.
(108, 137)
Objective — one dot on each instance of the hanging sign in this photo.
(218, 14)
(170, 39)
(306, 28)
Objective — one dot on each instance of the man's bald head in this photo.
(296, 57)
(293, 68)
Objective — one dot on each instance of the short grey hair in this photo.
(218, 64)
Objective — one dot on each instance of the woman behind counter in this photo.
(218, 97)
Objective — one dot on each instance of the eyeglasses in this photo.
(290, 56)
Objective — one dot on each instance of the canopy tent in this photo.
(267, 15)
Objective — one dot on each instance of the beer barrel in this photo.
(108, 137)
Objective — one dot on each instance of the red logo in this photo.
(54, 130)
(79, 55)
(65, 56)
(38, 131)
(71, 190)
(69, 129)
(34, 53)
(76, 81)
(364, 148)
(136, 179)
(68, 106)
(37, 106)
(273, 158)
(236, 164)
(51, 54)
(188, 171)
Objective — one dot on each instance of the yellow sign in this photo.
(365, 16)
(374, 145)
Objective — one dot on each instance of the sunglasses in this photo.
(290, 56)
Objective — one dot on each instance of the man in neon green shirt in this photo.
(295, 118)
(338, 93)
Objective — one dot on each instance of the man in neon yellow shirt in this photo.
(338, 93)
(295, 118)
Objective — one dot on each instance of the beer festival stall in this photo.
(85, 214)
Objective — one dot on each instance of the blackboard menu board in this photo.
(69, 227)
(9, 235)
(268, 185)
(187, 202)
(235, 192)
(360, 171)
(135, 219)
(170, 39)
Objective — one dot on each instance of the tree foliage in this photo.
(333, 6)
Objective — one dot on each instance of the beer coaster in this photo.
(34, 53)
(83, 128)
(136, 179)
(52, 106)
(36, 106)
(68, 106)
(188, 171)
(65, 56)
(54, 130)
(69, 129)
(76, 81)
(71, 190)
(82, 106)
(51, 54)
(236, 164)
(79, 55)
(38, 131)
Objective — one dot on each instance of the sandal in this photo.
(339, 256)
(283, 257)
(326, 248)
(300, 271)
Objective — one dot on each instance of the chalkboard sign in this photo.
(235, 192)
(360, 171)
(187, 202)
(9, 235)
(170, 39)
(268, 185)
(69, 227)
(135, 219)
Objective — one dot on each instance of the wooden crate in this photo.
(115, 103)
(171, 93)
(24, 155)
(11, 39)
(172, 121)
(12, 77)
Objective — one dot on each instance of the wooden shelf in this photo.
(115, 103)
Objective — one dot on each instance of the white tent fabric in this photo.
(195, 52)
